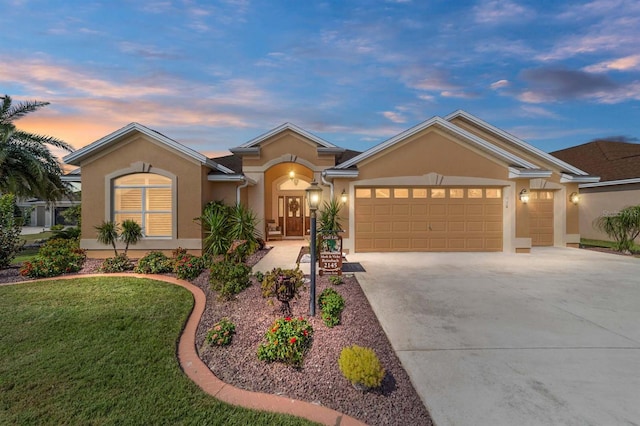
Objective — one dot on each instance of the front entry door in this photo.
(294, 216)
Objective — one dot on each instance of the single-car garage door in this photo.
(428, 219)
(541, 218)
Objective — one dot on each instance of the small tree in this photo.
(10, 227)
(131, 233)
(623, 227)
(108, 234)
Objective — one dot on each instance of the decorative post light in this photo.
(343, 197)
(314, 193)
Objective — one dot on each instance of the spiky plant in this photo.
(108, 234)
(131, 233)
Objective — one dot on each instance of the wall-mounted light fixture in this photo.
(343, 197)
(524, 196)
(292, 177)
(574, 198)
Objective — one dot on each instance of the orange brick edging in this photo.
(198, 371)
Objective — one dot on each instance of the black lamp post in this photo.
(314, 193)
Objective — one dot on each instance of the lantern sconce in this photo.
(343, 197)
(524, 196)
(574, 198)
(292, 177)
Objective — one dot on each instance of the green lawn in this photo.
(29, 238)
(103, 351)
(606, 244)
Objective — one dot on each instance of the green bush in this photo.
(187, 266)
(361, 367)
(229, 278)
(155, 262)
(10, 228)
(335, 279)
(57, 227)
(70, 233)
(287, 341)
(119, 263)
(331, 303)
(56, 257)
(221, 333)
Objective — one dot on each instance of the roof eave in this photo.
(241, 150)
(569, 178)
(610, 183)
(339, 173)
(230, 178)
(518, 173)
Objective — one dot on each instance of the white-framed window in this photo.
(146, 198)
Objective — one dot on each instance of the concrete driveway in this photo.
(551, 337)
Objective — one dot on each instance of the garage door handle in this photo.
(430, 228)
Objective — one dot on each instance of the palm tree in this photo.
(108, 234)
(131, 233)
(27, 166)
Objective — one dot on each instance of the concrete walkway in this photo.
(198, 371)
(551, 337)
(283, 254)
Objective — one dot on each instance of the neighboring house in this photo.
(618, 165)
(448, 184)
(44, 214)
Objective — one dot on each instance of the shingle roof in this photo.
(608, 159)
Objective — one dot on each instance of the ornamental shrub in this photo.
(287, 341)
(188, 266)
(335, 279)
(331, 303)
(55, 257)
(361, 367)
(221, 333)
(119, 263)
(229, 278)
(155, 262)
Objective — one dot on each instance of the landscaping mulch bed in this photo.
(319, 380)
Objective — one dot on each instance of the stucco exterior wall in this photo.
(595, 202)
(431, 152)
(129, 153)
(293, 145)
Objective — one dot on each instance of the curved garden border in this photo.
(198, 371)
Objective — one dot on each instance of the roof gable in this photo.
(253, 146)
(497, 152)
(81, 154)
(515, 141)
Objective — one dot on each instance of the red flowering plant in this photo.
(221, 333)
(287, 341)
(187, 266)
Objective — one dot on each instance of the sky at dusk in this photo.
(215, 74)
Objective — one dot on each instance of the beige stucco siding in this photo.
(291, 145)
(595, 202)
(126, 156)
(431, 152)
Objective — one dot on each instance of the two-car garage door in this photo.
(428, 219)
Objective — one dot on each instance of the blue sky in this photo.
(215, 74)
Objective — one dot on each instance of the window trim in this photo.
(141, 167)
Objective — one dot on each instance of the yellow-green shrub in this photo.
(361, 366)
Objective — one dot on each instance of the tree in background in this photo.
(27, 166)
(10, 227)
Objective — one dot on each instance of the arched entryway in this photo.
(285, 198)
